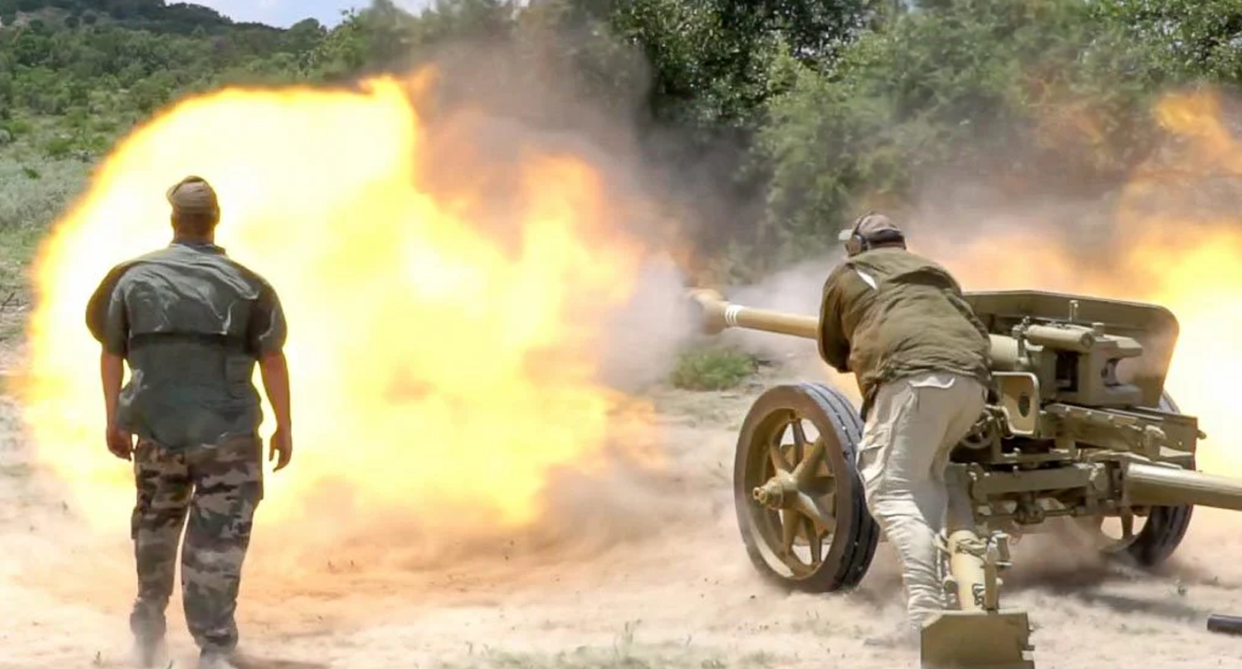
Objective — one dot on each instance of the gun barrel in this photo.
(1155, 485)
(719, 314)
(1224, 624)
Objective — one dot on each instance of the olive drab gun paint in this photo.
(1081, 428)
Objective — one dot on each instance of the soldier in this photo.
(920, 356)
(192, 323)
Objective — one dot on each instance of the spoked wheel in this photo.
(1114, 535)
(799, 499)
(1147, 540)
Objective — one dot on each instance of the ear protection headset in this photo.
(858, 242)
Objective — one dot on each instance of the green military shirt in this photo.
(888, 313)
(191, 322)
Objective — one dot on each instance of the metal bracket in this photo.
(994, 552)
(1019, 401)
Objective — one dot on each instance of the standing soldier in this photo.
(920, 356)
(192, 323)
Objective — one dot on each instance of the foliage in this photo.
(710, 87)
(772, 121)
(1184, 39)
(1023, 94)
(712, 368)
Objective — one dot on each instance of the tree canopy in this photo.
(784, 118)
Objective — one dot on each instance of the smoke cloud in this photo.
(493, 105)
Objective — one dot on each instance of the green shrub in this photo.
(58, 147)
(712, 368)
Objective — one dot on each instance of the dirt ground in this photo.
(668, 585)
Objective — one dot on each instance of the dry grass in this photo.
(33, 193)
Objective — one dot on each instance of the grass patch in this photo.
(33, 192)
(712, 368)
(17, 249)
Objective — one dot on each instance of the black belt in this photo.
(228, 342)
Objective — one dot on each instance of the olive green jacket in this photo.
(888, 313)
(191, 322)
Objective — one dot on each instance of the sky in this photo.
(285, 13)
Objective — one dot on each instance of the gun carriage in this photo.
(1081, 428)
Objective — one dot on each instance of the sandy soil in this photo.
(668, 585)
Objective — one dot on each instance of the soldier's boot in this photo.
(216, 659)
(150, 653)
(147, 623)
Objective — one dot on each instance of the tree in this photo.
(1022, 95)
(1185, 39)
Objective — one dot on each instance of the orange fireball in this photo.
(439, 367)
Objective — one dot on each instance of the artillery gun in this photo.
(1081, 427)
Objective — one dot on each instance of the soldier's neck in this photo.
(195, 240)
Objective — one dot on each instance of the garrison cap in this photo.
(193, 195)
(869, 225)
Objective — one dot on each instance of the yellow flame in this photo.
(435, 363)
(433, 366)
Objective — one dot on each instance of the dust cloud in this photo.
(645, 529)
(518, 98)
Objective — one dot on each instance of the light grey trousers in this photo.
(906, 441)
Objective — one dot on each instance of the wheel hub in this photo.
(778, 492)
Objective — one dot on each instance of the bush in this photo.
(712, 369)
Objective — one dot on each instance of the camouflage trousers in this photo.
(218, 487)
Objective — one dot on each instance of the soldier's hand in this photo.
(120, 442)
(282, 445)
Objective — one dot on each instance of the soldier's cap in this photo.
(193, 195)
(871, 226)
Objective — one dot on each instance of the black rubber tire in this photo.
(856, 535)
(1166, 525)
